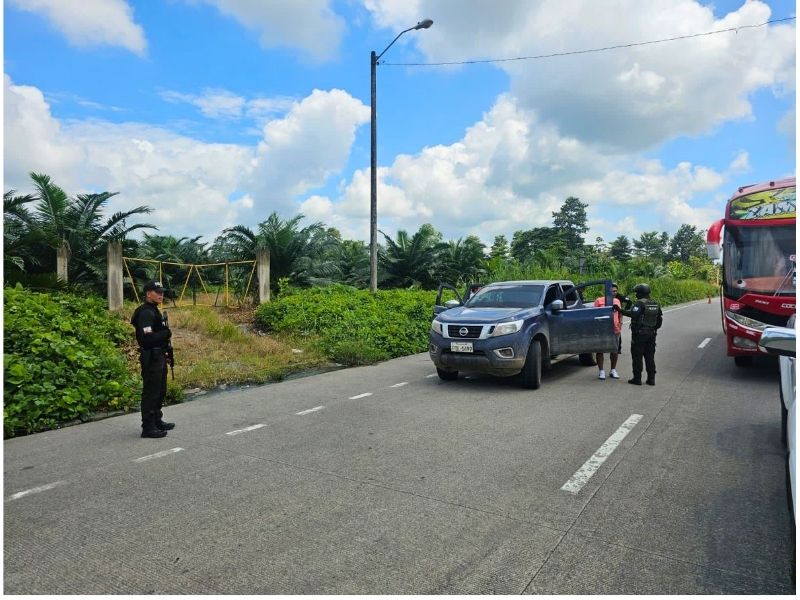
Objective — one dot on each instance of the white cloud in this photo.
(627, 99)
(310, 144)
(196, 188)
(91, 22)
(216, 103)
(33, 141)
(310, 25)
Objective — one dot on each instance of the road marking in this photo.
(401, 384)
(685, 306)
(364, 395)
(704, 343)
(251, 428)
(431, 375)
(582, 475)
(158, 454)
(310, 410)
(36, 490)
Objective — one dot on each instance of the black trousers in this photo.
(643, 347)
(154, 385)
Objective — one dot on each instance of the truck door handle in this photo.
(602, 318)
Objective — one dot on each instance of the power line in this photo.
(672, 39)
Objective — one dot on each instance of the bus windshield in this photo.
(760, 260)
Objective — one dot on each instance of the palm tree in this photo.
(18, 238)
(462, 260)
(293, 251)
(74, 228)
(412, 260)
(351, 259)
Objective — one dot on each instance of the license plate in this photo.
(460, 346)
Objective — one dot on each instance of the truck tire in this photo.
(447, 375)
(532, 370)
(587, 360)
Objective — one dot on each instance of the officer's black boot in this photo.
(149, 430)
(651, 380)
(164, 426)
(635, 380)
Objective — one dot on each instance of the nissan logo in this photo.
(463, 332)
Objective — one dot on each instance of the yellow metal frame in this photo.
(196, 269)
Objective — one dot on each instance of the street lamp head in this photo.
(424, 24)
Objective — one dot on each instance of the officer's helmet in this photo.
(642, 290)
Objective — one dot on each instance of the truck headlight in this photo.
(436, 327)
(507, 328)
(746, 321)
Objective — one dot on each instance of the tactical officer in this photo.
(646, 319)
(152, 335)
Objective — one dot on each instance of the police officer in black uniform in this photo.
(646, 319)
(152, 335)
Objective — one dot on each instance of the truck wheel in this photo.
(587, 360)
(532, 371)
(743, 361)
(447, 375)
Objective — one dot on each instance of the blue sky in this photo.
(218, 112)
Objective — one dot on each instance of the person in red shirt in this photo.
(601, 301)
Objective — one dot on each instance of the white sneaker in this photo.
(601, 375)
(614, 374)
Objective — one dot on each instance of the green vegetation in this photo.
(62, 361)
(352, 326)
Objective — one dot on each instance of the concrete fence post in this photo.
(114, 255)
(62, 261)
(262, 264)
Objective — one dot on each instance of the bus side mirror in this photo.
(713, 251)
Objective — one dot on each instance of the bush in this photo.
(354, 326)
(63, 360)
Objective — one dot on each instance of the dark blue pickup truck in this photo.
(512, 327)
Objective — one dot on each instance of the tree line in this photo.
(37, 226)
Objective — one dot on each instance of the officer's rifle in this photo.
(169, 354)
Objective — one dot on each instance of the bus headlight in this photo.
(745, 321)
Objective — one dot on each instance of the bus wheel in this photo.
(743, 361)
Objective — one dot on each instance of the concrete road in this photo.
(385, 479)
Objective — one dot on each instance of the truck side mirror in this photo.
(556, 305)
(451, 304)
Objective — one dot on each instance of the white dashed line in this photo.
(582, 475)
(364, 395)
(704, 343)
(36, 490)
(251, 428)
(158, 455)
(431, 375)
(310, 410)
(401, 384)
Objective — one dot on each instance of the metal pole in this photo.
(373, 190)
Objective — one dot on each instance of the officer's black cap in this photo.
(155, 286)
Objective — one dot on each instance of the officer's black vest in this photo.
(648, 322)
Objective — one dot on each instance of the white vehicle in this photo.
(782, 341)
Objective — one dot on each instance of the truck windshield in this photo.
(507, 296)
(760, 260)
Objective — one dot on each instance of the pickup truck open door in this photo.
(579, 327)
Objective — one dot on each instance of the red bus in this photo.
(757, 239)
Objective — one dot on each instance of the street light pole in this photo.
(373, 184)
